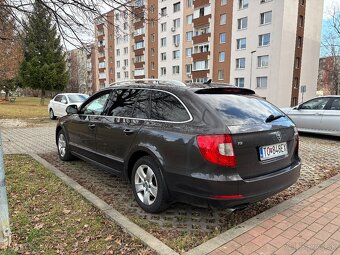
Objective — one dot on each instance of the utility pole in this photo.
(5, 232)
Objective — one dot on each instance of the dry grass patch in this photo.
(23, 107)
(47, 217)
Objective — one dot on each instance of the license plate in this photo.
(273, 151)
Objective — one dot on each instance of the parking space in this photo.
(181, 226)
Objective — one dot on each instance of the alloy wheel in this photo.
(146, 185)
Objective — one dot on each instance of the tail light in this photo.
(217, 149)
(296, 134)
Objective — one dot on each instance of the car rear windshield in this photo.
(77, 98)
(240, 109)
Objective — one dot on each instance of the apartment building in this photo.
(270, 46)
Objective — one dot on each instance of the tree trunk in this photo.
(6, 95)
(42, 99)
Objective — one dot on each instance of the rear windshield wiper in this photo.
(272, 117)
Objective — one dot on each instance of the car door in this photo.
(55, 104)
(126, 113)
(330, 122)
(83, 126)
(62, 106)
(309, 114)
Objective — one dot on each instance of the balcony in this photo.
(200, 56)
(202, 21)
(198, 3)
(139, 64)
(202, 38)
(102, 76)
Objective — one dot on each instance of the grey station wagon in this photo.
(207, 145)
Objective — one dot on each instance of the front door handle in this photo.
(92, 126)
(128, 131)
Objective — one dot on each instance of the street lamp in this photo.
(251, 67)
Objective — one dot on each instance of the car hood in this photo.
(286, 110)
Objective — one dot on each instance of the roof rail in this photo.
(149, 81)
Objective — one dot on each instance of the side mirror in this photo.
(72, 109)
(296, 108)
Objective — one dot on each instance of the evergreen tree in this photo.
(44, 65)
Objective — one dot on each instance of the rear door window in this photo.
(335, 104)
(142, 106)
(315, 104)
(241, 109)
(58, 98)
(123, 102)
(167, 107)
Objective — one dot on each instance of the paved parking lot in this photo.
(320, 155)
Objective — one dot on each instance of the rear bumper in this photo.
(209, 193)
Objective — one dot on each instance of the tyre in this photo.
(63, 147)
(52, 117)
(148, 186)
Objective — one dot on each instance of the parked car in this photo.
(57, 106)
(319, 115)
(207, 146)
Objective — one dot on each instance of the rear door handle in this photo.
(128, 131)
(92, 126)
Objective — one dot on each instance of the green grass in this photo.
(23, 107)
(47, 217)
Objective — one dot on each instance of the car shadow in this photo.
(319, 136)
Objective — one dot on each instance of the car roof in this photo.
(173, 86)
(66, 94)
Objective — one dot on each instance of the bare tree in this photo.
(329, 74)
(74, 18)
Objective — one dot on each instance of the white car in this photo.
(57, 106)
(319, 115)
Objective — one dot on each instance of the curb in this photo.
(132, 228)
(240, 229)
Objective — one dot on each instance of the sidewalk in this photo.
(310, 227)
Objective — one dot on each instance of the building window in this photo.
(222, 37)
(297, 63)
(264, 40)
(126, 50)
(299, 42)
(118, 75)
(189, 36)
(242, 4)
(188, 68)
(152, 51)
(163, 70)
(262, 61)
(242, 23)
(118, 64)
(163, 27)
(175, 54)
(296, 82)
(201, 65)
(117, 16)
(139, 45)
(177, 23)
(188, 52)
(240, 63)
(163, 56)
(221, 56)
(190, 3)
(176, 39)
(163, 42)
(201, 48)
(239, 82)
(163, 12)
(177, 7)
(118, 52)
(261, 82)
(189, 19)
(153, 38)
(139, 58)
(175, 70)
(203, 11)
(241, 43)
(223, 2)
(125, 25)
(223, 19)
(266, 18)
(301, 20)
(152, 65)
(126, 74)
(221, 74)
(126, 62)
